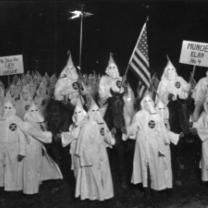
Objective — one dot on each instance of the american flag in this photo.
(139, 61)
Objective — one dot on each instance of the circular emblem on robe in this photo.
(178, 85)
(13, 126)
(151, 124)
(42, 127)
(27, 107)
(63, 76)
(75, 85)
(118, 84)
(102, 131)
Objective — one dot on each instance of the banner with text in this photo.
(194, 53)
(11, 65)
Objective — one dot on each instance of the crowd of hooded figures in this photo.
(25, 162)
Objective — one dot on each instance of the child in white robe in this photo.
(71, 137)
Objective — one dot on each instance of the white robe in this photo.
(21, 106)
(202, 129)
(12, 144)
(151, 150)
(200, 90)
(94, 180)
(199, 95)
(38, 166)
(106, 83)
(177, 87)
(71, 138)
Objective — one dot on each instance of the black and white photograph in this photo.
(103, 104)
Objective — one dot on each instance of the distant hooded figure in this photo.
(152, 152)
(172, 85)
(67, 83)
(24, 102)
(202, 129)
(38, 166)
(94, 180)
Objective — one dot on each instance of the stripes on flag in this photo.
(139, 61)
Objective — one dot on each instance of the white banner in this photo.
(194, 53)
(11, 65)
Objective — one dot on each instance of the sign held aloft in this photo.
(10, 65)
(194, 53)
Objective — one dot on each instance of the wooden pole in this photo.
(81, 37)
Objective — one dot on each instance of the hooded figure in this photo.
(24, 102)
(42, 96)
(172, 85)
(199, 94)
(71, 137)
(94, 180)
(163, 111)
(112, 80)
(151, 147)
(12, 149)
(202, 129)
(38, 165)
(67, 84)
(10, 94)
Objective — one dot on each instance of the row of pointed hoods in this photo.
(31, 114)
(71, 72)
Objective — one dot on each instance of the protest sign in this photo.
(194, 53)
(11, 65)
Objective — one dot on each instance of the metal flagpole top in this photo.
(79, 13)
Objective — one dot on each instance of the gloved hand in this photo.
(170, 97)
(57, 137)
(113, 131)
(113, 141)
(20, 157)
(181, 135)
(193, 131)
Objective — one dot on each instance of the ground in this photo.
(59, 194)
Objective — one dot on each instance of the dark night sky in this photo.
(41, 32)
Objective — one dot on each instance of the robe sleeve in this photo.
(185, 85)
(108, 137)
(200, 91)
(102, 88)
(201, 129)
(22, 143)
(162, 92)
(43, 136)
(173, 137)
(68, 137)
(134, 126)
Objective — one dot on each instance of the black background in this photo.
(42, 32)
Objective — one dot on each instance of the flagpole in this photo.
(81, 37)
(192, 77)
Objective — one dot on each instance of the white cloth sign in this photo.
(194, 53)
(11, 65)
